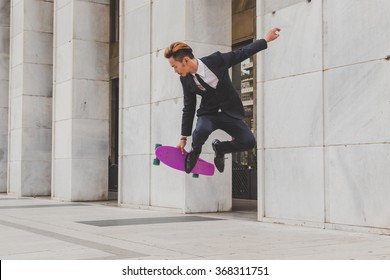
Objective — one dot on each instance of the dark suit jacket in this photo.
(225, 97)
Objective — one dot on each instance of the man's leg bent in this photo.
(205, 125)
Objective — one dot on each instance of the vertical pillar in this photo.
(81, 100)
(31, 57)
(4, 89)
(153, 100)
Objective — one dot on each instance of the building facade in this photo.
(86, 94)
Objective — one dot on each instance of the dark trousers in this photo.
(243, 138)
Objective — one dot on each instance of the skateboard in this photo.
(173, 157)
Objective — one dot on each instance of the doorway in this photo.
(244, 164)
(113, 159)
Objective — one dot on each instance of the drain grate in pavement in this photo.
(148, 221)
(41, 206)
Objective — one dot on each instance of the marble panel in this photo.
(209, 194)
(62, 179)
(293, 111)
(168, 25)
(166, 123)
(91, 21)
(136, 30)
(136, 130)
(17, 18)
(15, 113)
(36, 144)
(3, 177)
(129, 6)
(355, 31)
(15, 145)
(63, 139)
(4, 39)
(358, 185)
(38, 79)
(136, 81)
(58, 4)
(3, 121)
(38, 47)
(91, 60)
(64, 25)
(276, 5)
(299, 48)
(63, 101)
(135, 180)
(167, 187)
(165, 82)
(38, 16)
(3, 148)
(357, 103)
(89, 179)
(36, 177)
(90, 139)
(14, 177)
(4, 66)
(17, 50)
(64, 57)
(4, 93)
(294, 184)
(16, 80)
(90, 99)
(37, 112)
(5, 13)
(209, 21)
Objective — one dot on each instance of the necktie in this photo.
(203, 83)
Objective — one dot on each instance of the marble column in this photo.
(31, 58)
(4, 89)
(81, 100)
(152, 102)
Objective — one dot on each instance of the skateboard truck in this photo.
(156, 161)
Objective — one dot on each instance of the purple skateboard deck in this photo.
(173, 157)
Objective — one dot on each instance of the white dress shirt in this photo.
(206, 74)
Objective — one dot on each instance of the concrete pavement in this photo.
(40, 228)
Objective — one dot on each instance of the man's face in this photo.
(180, 68)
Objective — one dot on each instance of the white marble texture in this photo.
(202, 13)
(136, 180)
(293, 111)
(136, 37)
(358, 185)
(356, 31)
(294, 184)
(132, 5)
(91, 21)
(82, 100)
(136, 130)
(168, 25)
(357, 108)
(298, 50)
(136, 81)
(31, 54)
(275, 5)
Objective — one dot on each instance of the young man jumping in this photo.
(220, 107)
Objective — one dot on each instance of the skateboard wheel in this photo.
(156, 161)
(195, 175)
(157, 145)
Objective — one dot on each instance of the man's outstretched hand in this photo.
(272, 34)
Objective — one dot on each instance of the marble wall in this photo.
(151, 102)
(30, 94)
(4, 89)
(325, 107)
(81, 100)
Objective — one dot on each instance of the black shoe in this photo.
(219, 158)
(190, 161)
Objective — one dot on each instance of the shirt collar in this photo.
(201, 69)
